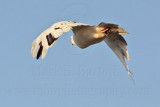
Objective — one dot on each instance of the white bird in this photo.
(84, 36)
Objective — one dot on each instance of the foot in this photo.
(72, 41)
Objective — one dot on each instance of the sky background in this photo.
(70, 76)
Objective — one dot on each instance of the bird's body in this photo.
(84, 35)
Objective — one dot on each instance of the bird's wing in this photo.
(118, 45)
(47, 38)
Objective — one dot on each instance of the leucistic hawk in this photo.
(84, 35)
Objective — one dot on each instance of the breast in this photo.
(86, 36)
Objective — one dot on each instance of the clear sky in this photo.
(72, 77)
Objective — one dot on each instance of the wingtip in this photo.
(130, 74)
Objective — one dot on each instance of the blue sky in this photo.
(72, 77)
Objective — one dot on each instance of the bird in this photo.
(84, 35)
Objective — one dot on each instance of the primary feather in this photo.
(118, 45)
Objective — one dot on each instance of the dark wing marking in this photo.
(57, 28)
(40, 50)
(50, 39)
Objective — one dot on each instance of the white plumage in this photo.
(55, 30)
(84, 36)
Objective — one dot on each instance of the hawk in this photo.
(84, 36)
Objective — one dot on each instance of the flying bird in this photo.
(84, 36)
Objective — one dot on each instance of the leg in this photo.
(72, 41)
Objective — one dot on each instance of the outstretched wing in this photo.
(47, 38)
(118, 45)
